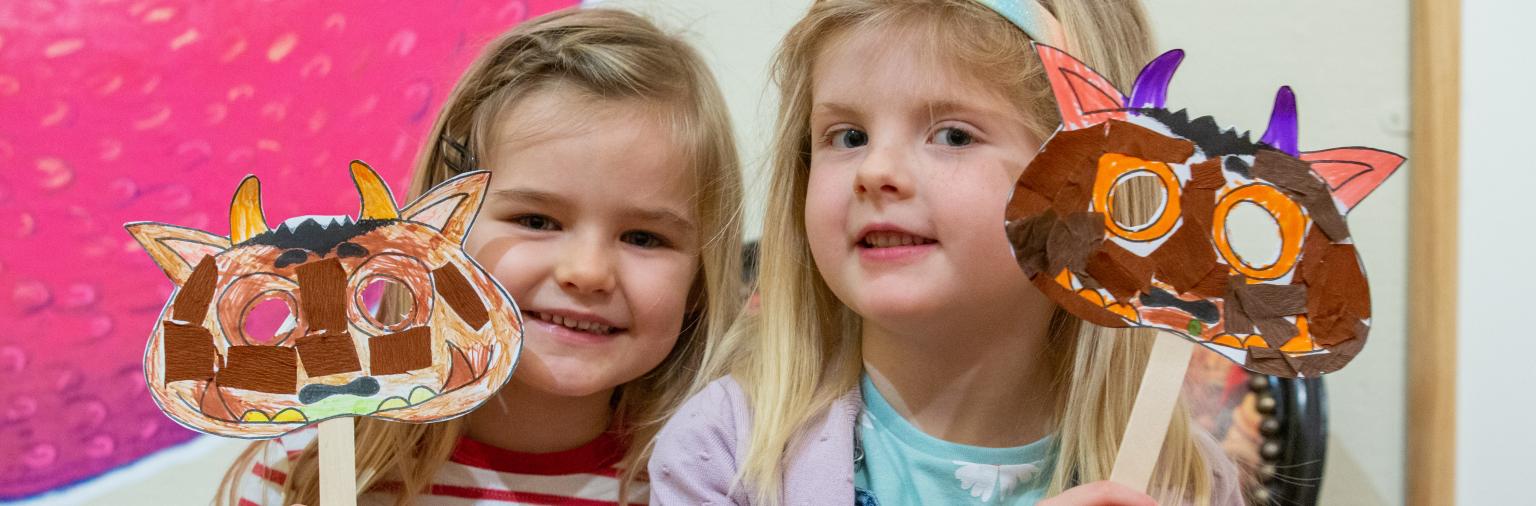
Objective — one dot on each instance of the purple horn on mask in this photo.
(1281, 133)
(1151, 89)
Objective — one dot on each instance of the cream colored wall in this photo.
(1493, 391)
(737, 37)
(1348, 62)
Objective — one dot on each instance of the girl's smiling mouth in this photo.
(572, 324)
(891, 243)
(891, 239)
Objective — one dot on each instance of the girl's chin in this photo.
(556, 376)
(887, 307)
(565, 385)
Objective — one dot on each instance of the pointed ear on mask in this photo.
(1353, 173)
(177, 250)
(450, 207)
(1083, 96)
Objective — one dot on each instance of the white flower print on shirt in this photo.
(982, 480)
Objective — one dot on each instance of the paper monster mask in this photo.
(455, 346)
(1303, 312)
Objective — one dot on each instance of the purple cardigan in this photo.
(699, 450)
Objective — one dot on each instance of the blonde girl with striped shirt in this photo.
(612, 218)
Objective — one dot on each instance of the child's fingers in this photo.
(1100, 493)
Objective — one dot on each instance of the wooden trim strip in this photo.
(1434, 214)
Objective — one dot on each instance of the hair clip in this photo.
(464, 161)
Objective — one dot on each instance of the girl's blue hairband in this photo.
(1033, 18)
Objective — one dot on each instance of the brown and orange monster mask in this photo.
(1302, 310)
(453, 344)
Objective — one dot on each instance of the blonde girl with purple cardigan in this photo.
(894, 318)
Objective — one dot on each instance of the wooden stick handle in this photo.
(338, 469)
(1153, 411)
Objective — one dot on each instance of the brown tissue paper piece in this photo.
(1313, 252)
(1276, 331)
(189, 352)
(1133, 140)
(1071, 241)
(1267, 305)
(1270, 361)
(1029, 236)
(1294, 177)
(1214, 284)
(1026, 202)
(271, 369)
(1070, 156)
(328, 353)
(460, 295)
(1233, 314)
(1206, 175)
(323, 295)
(1340, 297)
(1118, 270)
(1340, 279)
(1267, 301)
(1073, 198)
(1331, 325)
(1187, 256)
(1337, 356)
(196, 293)
(400, 352)
(1077, 306)
(1198, 206)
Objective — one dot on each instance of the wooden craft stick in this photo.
(338, 470)
(1153, 411)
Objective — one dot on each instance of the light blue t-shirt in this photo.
(903, 465)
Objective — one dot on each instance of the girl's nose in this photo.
(587, 266)
(883, 174)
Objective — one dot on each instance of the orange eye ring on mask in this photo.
(1115, 168)
(1287, 215)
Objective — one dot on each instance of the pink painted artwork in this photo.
(121, 110)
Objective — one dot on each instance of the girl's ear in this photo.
(451, 206)
(1353, 173)
(177, 250)
(1083, 97)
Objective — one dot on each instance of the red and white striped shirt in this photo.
(476, 473)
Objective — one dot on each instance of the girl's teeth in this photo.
(571, 323)
(892, 239)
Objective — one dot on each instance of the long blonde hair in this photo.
(801, 352)
(610, 55)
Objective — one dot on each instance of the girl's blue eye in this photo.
(536, 222)
(953, 137)
(643, 239)
(849, 138)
